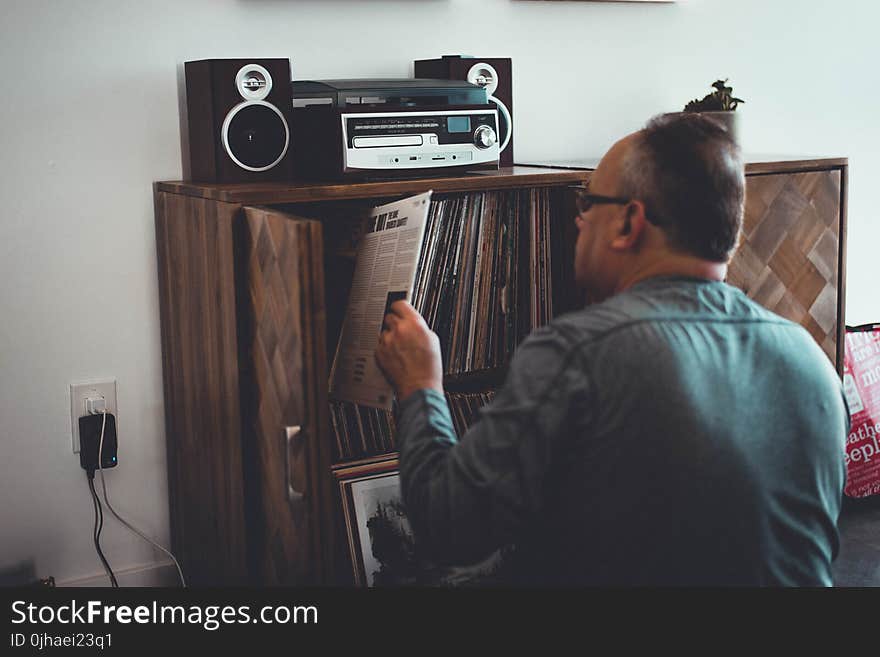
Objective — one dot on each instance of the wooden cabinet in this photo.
(792, 253)
(251, 301)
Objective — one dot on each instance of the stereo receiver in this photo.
(392, 128)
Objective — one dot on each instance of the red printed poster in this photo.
(861, 384)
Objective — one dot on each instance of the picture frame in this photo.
(381, 543)
(370, 493)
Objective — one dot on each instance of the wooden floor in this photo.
(858, 563)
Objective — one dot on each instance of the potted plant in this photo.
(721, 105)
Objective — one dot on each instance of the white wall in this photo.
(89, 120)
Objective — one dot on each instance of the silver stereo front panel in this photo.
(419, 139)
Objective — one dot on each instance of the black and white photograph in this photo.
(382, 545)
(386, 541)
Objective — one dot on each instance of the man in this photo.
(673, 432)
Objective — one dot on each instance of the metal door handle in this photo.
(293, 436)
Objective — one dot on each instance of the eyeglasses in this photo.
(585, 200)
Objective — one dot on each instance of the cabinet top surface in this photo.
(299, 192)
(551, 173)
(756, 163)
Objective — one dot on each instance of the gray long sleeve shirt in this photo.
(677, 433)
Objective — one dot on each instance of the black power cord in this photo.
(97, 453)
(99, 525)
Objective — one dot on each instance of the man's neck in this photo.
(673, 264)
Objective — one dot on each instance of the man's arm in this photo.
(465, 499)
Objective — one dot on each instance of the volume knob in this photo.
(485, 137)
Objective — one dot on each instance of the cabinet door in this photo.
(789, 258)
(283, 370)
(195, 246)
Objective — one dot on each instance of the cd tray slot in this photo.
(393, 140)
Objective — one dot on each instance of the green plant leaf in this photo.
(719, 100)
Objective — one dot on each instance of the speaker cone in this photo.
(255, 135)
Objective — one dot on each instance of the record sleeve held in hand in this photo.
(387, 257)
(861, 382)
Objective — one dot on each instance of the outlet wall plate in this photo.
(79, 393)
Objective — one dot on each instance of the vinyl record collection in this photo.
(362, 431)
(482, 284)
(483, 280)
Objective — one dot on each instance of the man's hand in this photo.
(409, 352)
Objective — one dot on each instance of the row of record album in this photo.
(483, 283)
(362, 431)
(484, 276)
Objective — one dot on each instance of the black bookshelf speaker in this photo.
(237, 120)
(493, 73)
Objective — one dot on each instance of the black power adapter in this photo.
(90, 440)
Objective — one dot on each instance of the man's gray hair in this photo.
(689, 173)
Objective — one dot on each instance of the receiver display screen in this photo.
(458, 124)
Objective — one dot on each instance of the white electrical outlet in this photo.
(81, 393)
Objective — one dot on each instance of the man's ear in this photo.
(630, 227)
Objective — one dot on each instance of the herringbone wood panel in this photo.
(787, 259)
(287, 379)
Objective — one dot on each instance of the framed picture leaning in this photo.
(381, 543)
